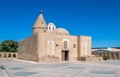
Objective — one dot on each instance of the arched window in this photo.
(65, 44)
(49, 28)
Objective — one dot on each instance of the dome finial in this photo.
(41, 12)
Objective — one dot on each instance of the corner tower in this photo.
(40, 24)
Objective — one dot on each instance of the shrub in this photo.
(105, 57)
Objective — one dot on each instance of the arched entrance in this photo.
(65, 55)
(5, 55)
(14, 55)
(9, 55)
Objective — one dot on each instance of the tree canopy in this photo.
(9, 46)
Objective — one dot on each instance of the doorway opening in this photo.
(65, 55)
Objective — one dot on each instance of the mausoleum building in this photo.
(49, 43)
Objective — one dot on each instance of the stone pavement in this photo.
(3, 73)
(17, 68)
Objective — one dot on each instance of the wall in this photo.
(28, 48)
(85, 45)
(73, 50)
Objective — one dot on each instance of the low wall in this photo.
(91, 58)
(8, 55)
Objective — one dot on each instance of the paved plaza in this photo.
(18, 68)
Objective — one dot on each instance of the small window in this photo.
(44, 30)
(74, 45)
(42, 22)
(57, 45)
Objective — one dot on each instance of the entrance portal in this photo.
(65, 55)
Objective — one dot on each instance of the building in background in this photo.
(112, 52)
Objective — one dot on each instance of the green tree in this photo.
(9, 46)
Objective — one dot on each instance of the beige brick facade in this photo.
(49, 43)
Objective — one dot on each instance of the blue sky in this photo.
(97, 18)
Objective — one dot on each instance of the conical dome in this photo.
(40, 22)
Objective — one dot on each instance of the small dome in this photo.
(51, 24)
(61, 31)
(51, 27)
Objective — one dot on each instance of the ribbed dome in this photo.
(61, 31)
